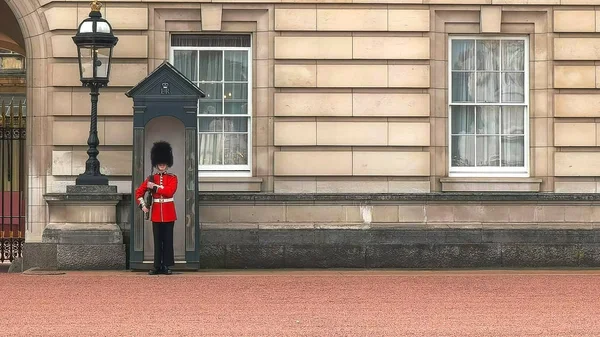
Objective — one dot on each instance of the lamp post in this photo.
(95, 41)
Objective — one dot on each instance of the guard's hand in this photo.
(145, 209)
(151, 185)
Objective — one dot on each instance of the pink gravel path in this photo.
(304, 303)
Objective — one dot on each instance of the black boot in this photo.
(166, 270)
(154, 271)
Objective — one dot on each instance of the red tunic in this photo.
(163, 206)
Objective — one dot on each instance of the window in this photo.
(220, 66)
(488, 97)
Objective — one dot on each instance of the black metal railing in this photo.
(12, 179)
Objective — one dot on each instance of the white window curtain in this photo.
(219, 64)
(488, 103)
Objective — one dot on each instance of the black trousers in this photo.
(163, 244)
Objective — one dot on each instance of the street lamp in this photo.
(95, 42)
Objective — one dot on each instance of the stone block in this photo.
(352, 76)
(414, 20)
(325, 256)
(408, 76)
(350, 186)
(287, 75)
(296, 163)
(313, 104)
(260, 214)
(391, 163)
(540, 255)
(129, 74)
(315, 213)
(295, 133)
(409, 134)
(408, 186)
(576, 21)
(351, 19)
(574, 77)
(89, 232)
(286, 237)
(115, 163)
(295, 19)
(129, 46)
(118, 132)
(352, 133)
(61, 18)
(312, 47)
(390, 105)
(575, 134)
(211, 16)
(491, 19)
(577, 105)
(240, 257)
(40, 255)
(577, 164)
(390, 47)
(575, 187)
(576, 48)
(222, 237)
(434, 256)
(110, 103)
(90, 257)
(212, 257)
(130, 18)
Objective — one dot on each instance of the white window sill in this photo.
(464, 184)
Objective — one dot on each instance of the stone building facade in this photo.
(336, 127)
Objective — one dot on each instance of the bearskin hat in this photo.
(161, 153)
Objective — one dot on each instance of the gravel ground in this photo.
(303, 303)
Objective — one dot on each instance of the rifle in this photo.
(148, 197)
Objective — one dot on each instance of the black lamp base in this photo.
(84, 179)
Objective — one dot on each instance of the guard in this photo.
(162, 186)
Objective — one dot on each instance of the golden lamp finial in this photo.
(96, 5)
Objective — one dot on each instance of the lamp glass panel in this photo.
(102, 62)
(86, 62)
(86, 27)
(102, 27)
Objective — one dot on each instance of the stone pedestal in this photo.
(82, 232)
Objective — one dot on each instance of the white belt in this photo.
(163, 200)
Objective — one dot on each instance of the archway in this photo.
(13, 117)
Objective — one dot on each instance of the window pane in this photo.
(488, 120)
(488, 54)
(208, 124)
(463, 54)
(513, 55)
(513, 120)
(210, 40)
(186, 61)
(488, 153)
(236, 149)
(212, 104)
(211, 149)
(487, 87)
(463, 151)
(236, 66)
(513, 87)
(211, 65)
(236, 124)
(463, 85)
(463, 120)
(513, 151)
(236, 98)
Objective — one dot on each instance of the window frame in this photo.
(223, 170)
(481, 171)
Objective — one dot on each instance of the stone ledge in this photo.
(404, 197)
(450, 248)
(230, 184)
(491, 184)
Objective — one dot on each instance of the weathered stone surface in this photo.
(92, 189)
(41, 255)
(433, 256)
(212, 256)
(91, 257)
(254, 256)
(540, 255)
(326, 256)
(82, 233)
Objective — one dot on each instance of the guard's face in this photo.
(162, 167)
